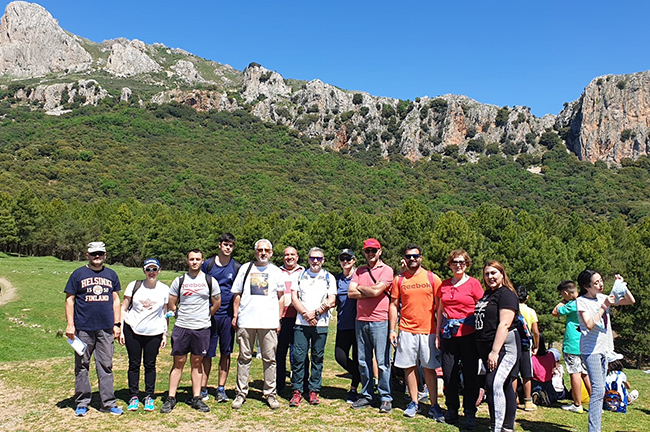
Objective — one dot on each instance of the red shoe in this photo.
(295, 400)
(313, 398)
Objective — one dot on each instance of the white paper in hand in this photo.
(78, 345)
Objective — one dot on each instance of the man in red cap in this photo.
(370, 285)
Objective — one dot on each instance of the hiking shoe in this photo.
(470, 422)
(352, 397)
(81, 411)
(204, 394)
(313, 398)
(385, 407)
(169, 405)
(295, 399)
(435, 412)
(541, 398)
(199, 405)
(114, 410)
(238, 402)
(423, 396)
(273, 402)
(360, 403)
(148, 403)
(529, 406)
(222, 396)
(573, 408)
(451, 417)
(134, 402)
(411, 409)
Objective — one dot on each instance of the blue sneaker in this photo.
(81, 411)
(133, 404)
(411, 409)
(148, 403)
(114, 410)
(204, 396)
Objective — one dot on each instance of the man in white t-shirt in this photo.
(313, 296)
(257, 305)
(197, 302)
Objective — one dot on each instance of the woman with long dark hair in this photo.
(497, 341)
(596, 328)
(458, 296)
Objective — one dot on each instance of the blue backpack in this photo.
(524, 333)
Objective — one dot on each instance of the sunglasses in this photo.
(458, 262)
(370, 250)
(96, 254)
(346, 258)
(412, 256)
(151, 269)
(317, 259)
(261, 250)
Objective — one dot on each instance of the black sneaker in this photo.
(352, 397)
(169, 405)
(199, 405)
(360, 403)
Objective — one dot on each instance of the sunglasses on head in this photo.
(96, 254)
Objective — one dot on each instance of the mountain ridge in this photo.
(48, 68)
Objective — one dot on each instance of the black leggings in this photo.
(346, 340)
(141, 347)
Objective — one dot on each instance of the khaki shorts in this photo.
(411, 347)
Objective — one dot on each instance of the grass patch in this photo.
(36, 365)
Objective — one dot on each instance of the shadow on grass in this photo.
(543, 426)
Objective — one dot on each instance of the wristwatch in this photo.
(117, 324)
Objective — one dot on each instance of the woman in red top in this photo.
(456, 339)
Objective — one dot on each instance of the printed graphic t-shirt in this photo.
(93, 291)
(259, 307)
(194, 301)
(417, 296)
(488, 311)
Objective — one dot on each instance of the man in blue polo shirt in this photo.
(92, 312)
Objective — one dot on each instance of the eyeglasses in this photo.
(412, 256)
(458, 262)
(261, 250)
(317, 259)
(97, 254)
(151, 269)
(346, 258)
(370, 250)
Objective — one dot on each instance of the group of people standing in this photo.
(454, 324)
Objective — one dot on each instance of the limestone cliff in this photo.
(611, 119)
(33, 44)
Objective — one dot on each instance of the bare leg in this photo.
(176, 373)
(224, 368)
(576, 389)
(196, 363)
(207, 367)
(431, 378)
(412, 382)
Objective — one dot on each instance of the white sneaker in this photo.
(632, 396)
(238, 402)
(573, 408)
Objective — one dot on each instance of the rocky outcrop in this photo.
(611, 120)
(129, 58)
(186, 71)
(49, 97)
(33, 44)
(261, 81)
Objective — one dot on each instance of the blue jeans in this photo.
(597, 369)
(374, 336)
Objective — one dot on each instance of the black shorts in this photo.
(186, 341)
(525, 364)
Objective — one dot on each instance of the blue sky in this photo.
(534, 53)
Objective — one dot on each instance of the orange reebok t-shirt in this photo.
(417, 297)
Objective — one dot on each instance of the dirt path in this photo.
(8, 291)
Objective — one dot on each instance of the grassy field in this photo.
(37, 378)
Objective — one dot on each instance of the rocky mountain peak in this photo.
(33, 44)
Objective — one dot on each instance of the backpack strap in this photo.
(180, 285)
(210, 265)
(137, 286)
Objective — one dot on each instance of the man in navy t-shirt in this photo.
(92, 311)
(223, 268)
